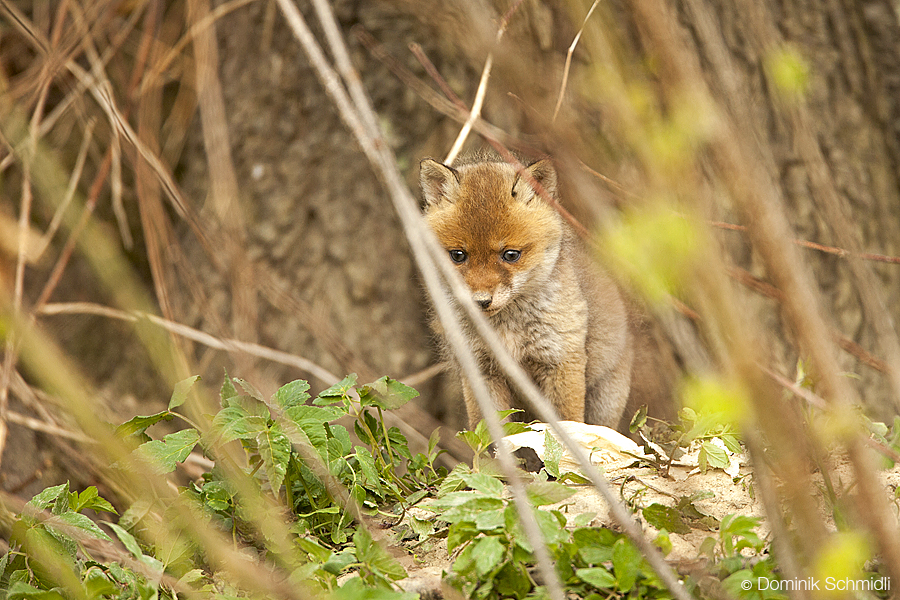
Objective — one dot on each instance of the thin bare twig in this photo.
(457, 112)
(839, 252)
(420, 377)
(228, 345)
(11, 345)
(432, 71)
(809, 396)
(87, 138)
(477, 104)
(45, 427)
(152, 78)
(565, 79)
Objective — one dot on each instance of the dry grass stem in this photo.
(77, 170)
(568, 65)
(189, 333)
(152, 78)
(44, 427)
(435, 75)
(478, 103)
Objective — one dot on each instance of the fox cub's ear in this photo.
(544, 173)
(438, 181)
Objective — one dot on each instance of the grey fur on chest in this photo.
(530, 335)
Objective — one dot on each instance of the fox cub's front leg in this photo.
(564, 385)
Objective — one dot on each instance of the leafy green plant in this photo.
(47, 558)
(300, 453)
(495, 560)
(296, 451)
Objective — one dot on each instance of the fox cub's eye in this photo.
(458, 256)
(511, 255)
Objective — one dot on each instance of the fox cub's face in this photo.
(501, 235)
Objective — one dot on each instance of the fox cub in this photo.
(560, 317)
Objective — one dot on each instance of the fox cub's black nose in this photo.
(482, 299)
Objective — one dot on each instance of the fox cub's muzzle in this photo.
(482, 299)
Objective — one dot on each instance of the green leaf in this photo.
(367, 466)
(512, 581)
(594, 545)
(275, 451)
(233, 422)
(171, 450)
(336, 392)
(250, 390)
(486, 484)
(737, 532)
(292, 394)
(180, 393)
(399, 442)
(597, 576)
(488, 552)
(98, 585)
(315, 550)
(553, 453)
(131, 544)
(716, 456)
(490, 520)
(552, 526)
(475, 441)
(663, 542)
(82, 522)
(514, 427)
(50, 496)
(421, 527)
(581, 519)
(541, 493)
(139, 424)
(386, 393)
(731, 441)
(739, 582)
(376, 557)
(21, 590)
(638, 420)
(664, 517)
(460, 533)
(337, 562)
(192, 577)
(217, 496)
(311, 420)
(455, 480)
(128, 540)
(228, 392)
(469, 511)
(90, 499)
(340, 434)
(356, 589)
(626, 561)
